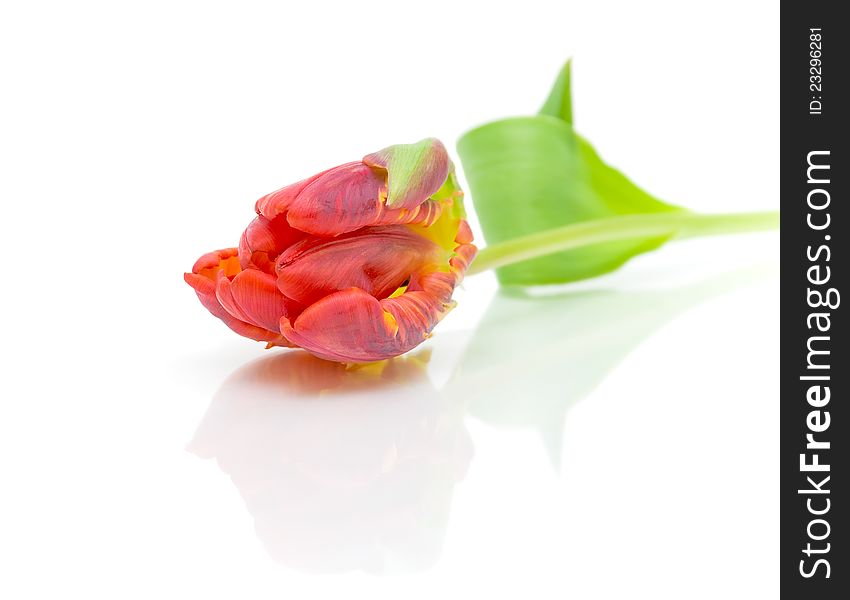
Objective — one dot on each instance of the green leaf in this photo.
(560, 101)
(531, 174)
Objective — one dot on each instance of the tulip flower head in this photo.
(355, 264)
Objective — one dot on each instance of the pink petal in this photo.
(353, 326)
(212, 262)
(223, 263)
(278, 202)
(464, 233)
(264, 239)
(377, 260)
(252, 296)
(347, 326)
(343, 199)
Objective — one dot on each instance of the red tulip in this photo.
(355, 264)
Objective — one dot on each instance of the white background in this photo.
(618, 442)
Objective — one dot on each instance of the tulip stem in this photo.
(677, 225)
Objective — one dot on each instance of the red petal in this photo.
(278, 202)
(377, 260)
(205, 272)
(348, 326)
(353, 326)
(342, 199)
(464, 233)
(212, 262)
(252, 296)
(264, 239)
(463, 256)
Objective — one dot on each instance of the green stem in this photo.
(678, 225)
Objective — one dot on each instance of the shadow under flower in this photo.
(341, 468)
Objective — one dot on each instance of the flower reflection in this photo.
(355, 468)
(341, 468)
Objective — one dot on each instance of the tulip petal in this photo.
(353, 326)
(341, 200)
(264, 239)
(463, 255)
(414, 171)
(252, 296)
(335, 201)
(279, 201)
(464, 233)
(347, 326)
(427, 299)
(377, 260)
(212, 262)
(225, 264)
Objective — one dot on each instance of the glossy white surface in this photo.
(628, 429)
(617, 439)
